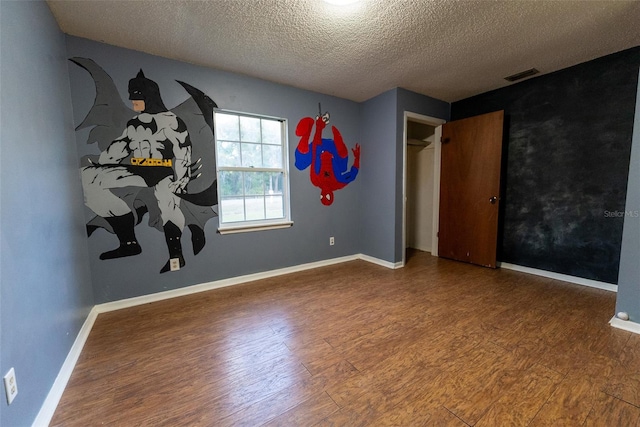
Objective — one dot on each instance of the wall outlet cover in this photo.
(174, 263)
(10, 385)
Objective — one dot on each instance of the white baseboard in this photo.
(564, 277)
(55, 393)
(174, 293)
(381, 262)
(625, 324)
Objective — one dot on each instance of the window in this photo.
(253, 183)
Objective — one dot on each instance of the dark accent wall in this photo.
(45, 287)
(568, 141)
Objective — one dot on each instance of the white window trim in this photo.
(265, 224)
(254, 227)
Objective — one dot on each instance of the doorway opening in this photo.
(421, 184)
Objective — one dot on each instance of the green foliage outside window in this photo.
(250, 157)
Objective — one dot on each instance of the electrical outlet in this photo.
(174, 264)
(331, 241)
(10, 385)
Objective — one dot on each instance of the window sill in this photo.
(245, 228)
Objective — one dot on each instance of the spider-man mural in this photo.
(328, 158)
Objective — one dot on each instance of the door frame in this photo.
(437, 123)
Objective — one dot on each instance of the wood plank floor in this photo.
(437, 343)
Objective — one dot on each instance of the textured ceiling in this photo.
(445, 49)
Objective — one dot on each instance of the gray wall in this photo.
(377, 186)
(629, 276)
(45, 282)
(426, 106)
(382, 125)
(224, 256)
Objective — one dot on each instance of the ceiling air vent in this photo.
(522, 75)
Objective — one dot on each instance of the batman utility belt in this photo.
(141, 161)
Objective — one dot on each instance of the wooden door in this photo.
(470, 189)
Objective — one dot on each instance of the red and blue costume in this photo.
(328, 158)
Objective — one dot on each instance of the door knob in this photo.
(493, 200)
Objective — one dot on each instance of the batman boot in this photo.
(197, 238)
(172, 235)
(123, 229)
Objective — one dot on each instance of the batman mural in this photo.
(150, 163)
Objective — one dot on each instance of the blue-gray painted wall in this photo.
(47, 262)
(382, 126)
(230, 255)
(45, 291)
(408, 101)
(378, 160)
(628, 299)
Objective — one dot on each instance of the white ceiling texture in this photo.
(446, 49)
